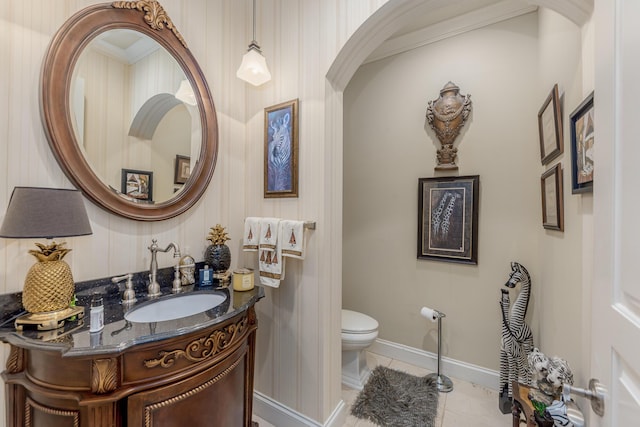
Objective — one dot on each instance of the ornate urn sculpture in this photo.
(446, 116)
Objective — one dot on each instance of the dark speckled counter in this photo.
(74, 338)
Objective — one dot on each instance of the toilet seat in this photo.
(358, 323)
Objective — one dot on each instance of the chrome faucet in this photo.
(154, 286)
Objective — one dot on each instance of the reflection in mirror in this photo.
(97, 128)
(125, 110)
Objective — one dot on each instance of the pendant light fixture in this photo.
(254, 68)
(185, 93)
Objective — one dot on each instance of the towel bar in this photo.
(310, 225)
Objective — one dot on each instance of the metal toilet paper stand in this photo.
(443, 383)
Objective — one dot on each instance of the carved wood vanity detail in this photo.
(203, 377)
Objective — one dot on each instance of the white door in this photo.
(615, 358)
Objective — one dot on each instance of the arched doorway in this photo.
(373, 32)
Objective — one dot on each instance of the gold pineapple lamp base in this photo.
(48, 320)
(35, 213)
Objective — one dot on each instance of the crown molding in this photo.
(451, 27)
(578, 11)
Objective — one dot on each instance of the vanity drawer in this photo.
(183, 356)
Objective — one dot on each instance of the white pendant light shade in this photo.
(185, 93)
(254, 68)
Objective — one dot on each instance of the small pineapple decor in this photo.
(218, 254)
(49, 284)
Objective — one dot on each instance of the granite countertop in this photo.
(74, 338)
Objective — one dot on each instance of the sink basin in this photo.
(175, 307)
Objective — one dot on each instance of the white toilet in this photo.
(359, 331)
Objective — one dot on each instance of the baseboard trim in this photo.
(450, 367)
(282, 416)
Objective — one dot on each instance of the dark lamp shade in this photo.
(45, 213)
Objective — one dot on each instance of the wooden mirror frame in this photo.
(147, 17)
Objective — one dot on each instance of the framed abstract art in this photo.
(448, 219)
(582, 140)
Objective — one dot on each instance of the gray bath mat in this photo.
(393, 398)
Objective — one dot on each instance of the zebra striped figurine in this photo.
(517, 339)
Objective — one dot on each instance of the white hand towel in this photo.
(271, 262)
(251, 234)
(293, 239)
(268, 234)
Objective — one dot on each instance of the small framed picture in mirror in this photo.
(183, 169)
(137, 184)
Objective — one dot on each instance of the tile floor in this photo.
(467, 405)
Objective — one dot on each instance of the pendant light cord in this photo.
(254, 21)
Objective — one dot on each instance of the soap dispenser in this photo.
(129, 294)
(177, 283)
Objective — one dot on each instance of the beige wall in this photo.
(388, 146)
(565, 258)
(172, 137)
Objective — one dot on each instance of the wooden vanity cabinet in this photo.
(204, 378)
(208, 398)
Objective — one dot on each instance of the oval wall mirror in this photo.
(127, 111)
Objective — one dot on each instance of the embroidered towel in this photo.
(251, 234)
(293, 239)
(271, 262)
(268, 234)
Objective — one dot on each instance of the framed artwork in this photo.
(552, 200)
(448, 219)
(137, 184)
(550, 127)
(183, 169)
(281, 150)
(582, 138)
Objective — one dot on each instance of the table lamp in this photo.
(49, 287)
